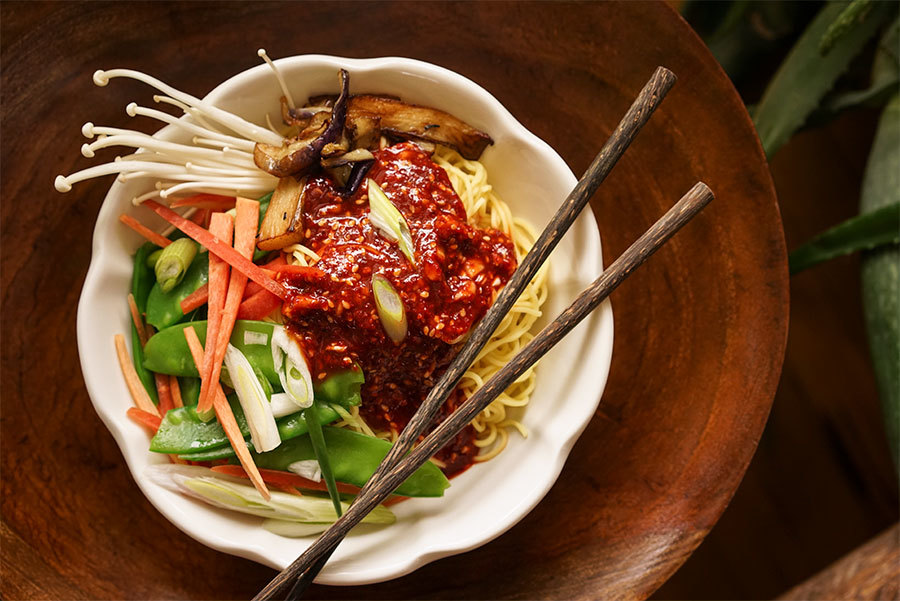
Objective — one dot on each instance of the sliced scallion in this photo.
(250, 393)
(173, 262)
(390, 308)
(389, 221)
(153, 257)
(292, 367)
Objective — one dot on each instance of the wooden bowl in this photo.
(700, 330)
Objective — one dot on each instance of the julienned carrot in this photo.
(245, 223)
(138, 392)
(276, 477)
(226, 417)
(258, 306)
(142, 418)
(223, 251)
(175, 389)
(205, 201)
(252, 287)
(137, 320)
(164, 392)
(145, 231)
(195, 299)
(199, 216)
(221, 227)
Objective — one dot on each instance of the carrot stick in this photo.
(175, 388)
(258, 306)
(252, 287)
(195, 299)
(142, 418)
(215, 202)
(137, 320)
(138, 392)
(221, 227)
(223, 251)
(226, 418)
(145, 231)
(245, 224)
(279, 478)
(199, 216)
(164, 392)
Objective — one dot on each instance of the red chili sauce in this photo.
(458, 270)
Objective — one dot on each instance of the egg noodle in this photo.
(485, 210)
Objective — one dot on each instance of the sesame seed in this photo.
(321, 375)
(345, 304)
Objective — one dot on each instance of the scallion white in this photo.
(389, 221)
(250, 393)
(292, 367)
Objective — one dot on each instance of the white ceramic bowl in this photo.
(487, 499)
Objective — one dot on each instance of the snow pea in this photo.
(182, 431)
(167, 351)
(341, 387)
(190, 391)
(354, 458)
(164, 308)
(289, 426)
(142, 280)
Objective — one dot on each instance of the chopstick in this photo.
(686, 208)
(635, 118)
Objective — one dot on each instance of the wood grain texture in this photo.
(700, 331)
(869, 573)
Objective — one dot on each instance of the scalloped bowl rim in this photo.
(369, 554)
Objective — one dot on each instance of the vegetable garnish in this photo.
(175, 388)
(137, 320)
(226, 417)
(250, 393)
(310, 414)
(244, 237)
(292, 367)
(205, 201)
(230, 493)
(138, 394)
(284, 479)
(223, 251)
(145, 231)
(164, 392)
(221, 226)
(143, 418)
(389, 221)
(258, 306)
(173, 263)
(390, 308)
(195, 299)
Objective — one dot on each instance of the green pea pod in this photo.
(182, 431)
(190, 391)
(320, 449)
(137, 355)
(289, 426)
(263, 206)
(164, 308)
(167, 351)
(341, 387)
(354, 458)
(142, 280)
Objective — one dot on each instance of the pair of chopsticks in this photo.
(403, 459)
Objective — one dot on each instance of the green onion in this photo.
(230, 493)
(385, 216)
(292, 367)
(263, 430)
(173, 262)
(317, 438)
(153, 257)
(390, 308)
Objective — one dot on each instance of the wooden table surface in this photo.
(64, 531)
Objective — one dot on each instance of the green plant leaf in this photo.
(806, 75)
(880, 271)
(853, 13)
(863, 232)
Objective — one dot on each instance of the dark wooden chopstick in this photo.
(635, 118)
(686, 208)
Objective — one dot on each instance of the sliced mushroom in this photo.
(410, 121)
(298, 154)
(282, 224)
